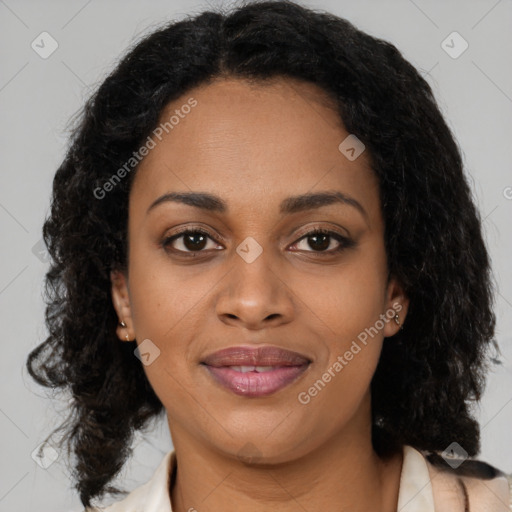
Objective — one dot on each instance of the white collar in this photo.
(415, 494)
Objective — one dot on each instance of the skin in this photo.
(254, 145)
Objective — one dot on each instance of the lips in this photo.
(260, 356)
(255, 372)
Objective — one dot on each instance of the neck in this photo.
(344, 473)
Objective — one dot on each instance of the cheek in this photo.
(167, 308)
(352, 307)
(349, 305)
(163, 297)
(349, 299)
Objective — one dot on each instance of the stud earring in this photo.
(397, 321)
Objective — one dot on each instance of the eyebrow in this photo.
(293, 204)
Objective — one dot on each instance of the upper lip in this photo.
(255, 356)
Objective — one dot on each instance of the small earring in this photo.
(397, 321)
(122, 324)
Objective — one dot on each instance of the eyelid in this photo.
(195, 229)
(308, 229)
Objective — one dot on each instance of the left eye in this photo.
(320, 241)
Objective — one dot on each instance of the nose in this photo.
(253, 295)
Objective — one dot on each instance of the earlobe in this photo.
(121, 301)
(397, 305)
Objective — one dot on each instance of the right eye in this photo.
(188, 241)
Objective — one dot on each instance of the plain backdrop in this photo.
(39, 95)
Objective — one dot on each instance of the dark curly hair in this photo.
(428, 374)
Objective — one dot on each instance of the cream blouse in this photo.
(423, 488)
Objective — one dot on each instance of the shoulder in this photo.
(472, 485)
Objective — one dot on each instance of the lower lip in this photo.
(254, 384)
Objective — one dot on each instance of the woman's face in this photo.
(254, 278)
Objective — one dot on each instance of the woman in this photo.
(262, 229)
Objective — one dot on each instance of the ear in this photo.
(121, 301)
(397, 302)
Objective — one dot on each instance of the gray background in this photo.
(37, 98)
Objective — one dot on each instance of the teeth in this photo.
(243, 369)
(259, 369)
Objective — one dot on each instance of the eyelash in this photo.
(344, 242)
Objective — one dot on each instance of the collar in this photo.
(415, 493)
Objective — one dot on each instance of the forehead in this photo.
(251, 142)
